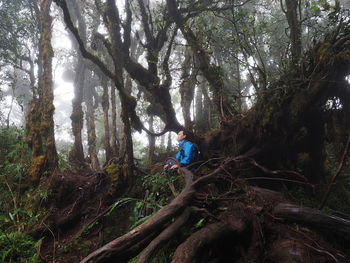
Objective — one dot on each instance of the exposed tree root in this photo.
(187, 251)
(168, 233)
(252, 222)
(257, 222)
(113, 249)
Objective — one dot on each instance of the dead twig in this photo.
(266, 170)
(280, 179)
(204, 163)
(321, 251)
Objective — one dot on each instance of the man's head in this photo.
(181, 135)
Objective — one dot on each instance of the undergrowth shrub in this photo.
(16, 212)
(157, 189)
(14, 160)
(16, 247)
(158, 193)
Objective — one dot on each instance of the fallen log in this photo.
(332, 225)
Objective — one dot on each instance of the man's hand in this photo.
(165, 166)
(174, 166)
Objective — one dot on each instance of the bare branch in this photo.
(85, 53)
(166, 69)
(264, 169)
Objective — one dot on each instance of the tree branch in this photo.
(211, 72)
(168, 80)
(85, 53)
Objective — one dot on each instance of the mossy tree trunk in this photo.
(188, 78)
(127, 102)
(198, 108)
(34, 140)
(47, 125)
(114, 136)
(90, 124)
(105, 106)
(41, 136)
(76, 155)
(205, 110)
(151, 141)
(128, 90)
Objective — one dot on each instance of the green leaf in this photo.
(200, 223)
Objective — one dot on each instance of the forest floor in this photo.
(87, 211)
(80, 200)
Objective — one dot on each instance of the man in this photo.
(185, 156)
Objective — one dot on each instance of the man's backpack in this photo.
(195, 151)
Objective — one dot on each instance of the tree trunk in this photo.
(128, 142)
(128, 104)
(294, 27)
(187, 87)
(162, 141)
(128, 90)
(200, 122)
(39, 60)
(44, 160)
(34, 140)
(76, 155)
(105, 106)
(239, 89)
(208, 108)
(169, 144)
(90, 124)
(47, 125)
(114, 137)
(151, 141)
(198, 103)
(120, 129)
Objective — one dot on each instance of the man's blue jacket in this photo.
(187, 154)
